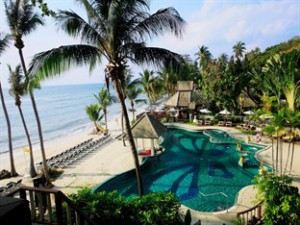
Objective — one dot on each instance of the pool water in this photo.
(200, 168)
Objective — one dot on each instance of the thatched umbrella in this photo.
(146, 127)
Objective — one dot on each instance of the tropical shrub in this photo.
(112, 208)
(281, 200)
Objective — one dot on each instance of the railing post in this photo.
(58, 208)
(23, 194)
(259, 212)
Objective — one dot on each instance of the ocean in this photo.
(61, 110)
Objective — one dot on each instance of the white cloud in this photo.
(222, 23)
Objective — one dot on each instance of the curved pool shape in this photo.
(195, 166)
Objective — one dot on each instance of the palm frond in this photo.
(21, 17)
(93, 111)
(15, 79)
(4, 40)
(90, 8)
(57, 60)
(157, 57)
(75, 26)
(164, 20)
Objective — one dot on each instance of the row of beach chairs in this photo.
(225, 123)
(9, 187)
(206, 122)
(75, 153)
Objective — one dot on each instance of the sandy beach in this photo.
(113, 158)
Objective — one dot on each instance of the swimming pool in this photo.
(200, 168)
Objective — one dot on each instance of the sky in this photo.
(217, 24)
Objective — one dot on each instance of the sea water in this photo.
(61, 110)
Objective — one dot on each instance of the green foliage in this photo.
(111, 208)
(261, 58)
(44, 7)
(93, 112)
(281, 200)
(4, 41)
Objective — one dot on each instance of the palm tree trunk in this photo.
(97, 128)
(281, 156)
(122, 124)
(273, 160)
(11, 155)
(132, 107)
(277, 149)
(45, 166)
(32, 171)
(130, 137)
(46, 172)
(292, 157)
(288, 156)
(105, 116)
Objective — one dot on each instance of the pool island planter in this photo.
(156, 180)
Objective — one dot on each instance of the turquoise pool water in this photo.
(195, 166)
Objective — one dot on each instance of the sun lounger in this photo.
(200, 122)
(228, 124)
(207, 122)
(221, 123)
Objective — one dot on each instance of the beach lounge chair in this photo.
(228, 124)
(200, 122)
(221, 123)
(207, 122)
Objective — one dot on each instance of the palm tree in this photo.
(93, 111)
(292, 121)
(115, 30)
(4, 39)
(223, 59)
(147, 81)
(279, 122)
(105, 99)
(169, 80)
(239, 49)
(22, 21)
(17, 90)
(132, 94)
(204, 56)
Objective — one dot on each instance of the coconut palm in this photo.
(279, 123)
(22, 21)
(17, 90)
(105, 99)
(4, 39)
(204, 56)
(147, 81)
(133, 93)
(169, 80)
(93, 111)
(116, 30)
(239, 49)
(292, 121)
(223, 59)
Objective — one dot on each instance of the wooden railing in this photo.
(48, 206)
(246, 215)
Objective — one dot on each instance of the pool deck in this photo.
(114, 158)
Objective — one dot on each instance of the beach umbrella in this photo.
(249, 112)
(224, 112)
(206, 111)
